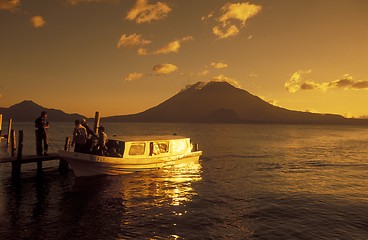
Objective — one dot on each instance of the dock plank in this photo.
(31, 158)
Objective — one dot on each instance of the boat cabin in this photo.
(139, 146)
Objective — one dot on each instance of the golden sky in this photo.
(124, 56)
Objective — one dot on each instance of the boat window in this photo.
(178, 146)
(159, 147)
(137, 149)
(162, 147)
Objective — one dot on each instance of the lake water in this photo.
(253, 182)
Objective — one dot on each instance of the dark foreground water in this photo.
(253, 182)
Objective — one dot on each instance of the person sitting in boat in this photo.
(113, 148)
(79, 137)
(100, 148)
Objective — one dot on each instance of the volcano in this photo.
(221, 102)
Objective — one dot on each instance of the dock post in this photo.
(9, 131)
(97, 122)
(63, 165)
(39, 166)
(13, 142)
(67, 144)
(16, 164)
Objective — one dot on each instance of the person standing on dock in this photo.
(42, 124)
(79, 137)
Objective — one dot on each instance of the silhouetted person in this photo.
(91, 136)
(101, 148)
(90, 132)
(79, 137)
(42, 124)
(112, 149)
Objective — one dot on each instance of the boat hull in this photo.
(92, 165)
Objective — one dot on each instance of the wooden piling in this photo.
(39, 166)
(97, 122)
(39, 161)
(20, 145)
(9, 131)
(13, 142)
(63, 165)
(67, 144)
(16, 164)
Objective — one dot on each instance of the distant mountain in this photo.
(28, 111)
(220, 102)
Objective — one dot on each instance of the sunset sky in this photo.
(124, 56)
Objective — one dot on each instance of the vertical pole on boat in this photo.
(16, 163)
(9, 131)
(97, 122)
(63, 165)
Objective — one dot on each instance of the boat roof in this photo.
(146, 138)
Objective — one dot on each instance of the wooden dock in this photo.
(16, 152)
(31, 158)
(17, 159)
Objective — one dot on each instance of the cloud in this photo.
(209, 16)
(37, 21)
(297, 82)
(132, 40)
(310, 85)
(10, 5)
(143, 11)
(225, 32)
(238, 11)
(163, 69)
(219, 65)
(232, 18)
(171, 47)
(78, 2)
(133, 76)
(348, 82)
(203, 73)
(272, 102)
(222, 78)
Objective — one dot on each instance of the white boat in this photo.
(132, 154)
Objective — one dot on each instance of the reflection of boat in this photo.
(131, 154)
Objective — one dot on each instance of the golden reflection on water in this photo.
(172, 186)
